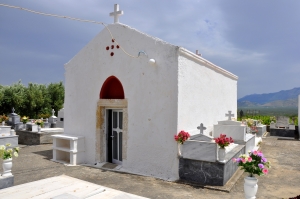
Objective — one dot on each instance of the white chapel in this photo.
(128, 93)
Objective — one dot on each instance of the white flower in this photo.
(15, 154)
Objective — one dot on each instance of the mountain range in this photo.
(284, 98)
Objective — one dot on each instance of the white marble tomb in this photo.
(237, 131)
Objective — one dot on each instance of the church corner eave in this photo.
(185, 52)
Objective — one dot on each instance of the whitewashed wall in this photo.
(206, 92)
(151, 92)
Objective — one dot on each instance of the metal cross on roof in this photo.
(116, 13)
(229, 115)
(201, 128)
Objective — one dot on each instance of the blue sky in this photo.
(256, 40)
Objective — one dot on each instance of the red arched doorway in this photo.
(112, 89)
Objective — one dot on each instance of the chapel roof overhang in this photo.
(207, 63)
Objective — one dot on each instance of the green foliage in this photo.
(267, 119)
(34, 101)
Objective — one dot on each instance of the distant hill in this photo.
(285, 98)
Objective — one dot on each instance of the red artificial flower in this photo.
(111, 54)
(181, 137)
(223, 141)
(107, 47)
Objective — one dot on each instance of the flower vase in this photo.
(39, 128)
(7, 165)
(250, 187)
(221, 154)
(179, 149)
(3, 123)
(24, 126)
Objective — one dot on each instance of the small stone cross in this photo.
(201, 128)
(229, 115)
(116, 13)
(53, 111)
(13, 109)
(197, 53)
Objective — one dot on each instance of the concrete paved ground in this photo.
(283, 180)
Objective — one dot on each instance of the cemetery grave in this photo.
(30, 134)
(283, 127)
(199, 161)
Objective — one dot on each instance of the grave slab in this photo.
(61, 186)
(34, 138)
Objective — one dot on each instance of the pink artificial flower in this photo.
(249, 159)
(244, 160)
(234, 159)
(265, 171)
(255, 152)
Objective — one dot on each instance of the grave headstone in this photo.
(237, 131)
(282, 122)
(53, 120)
(60, 118)
(13, 118)
(46, 123)
(32, 127)
(272, 125)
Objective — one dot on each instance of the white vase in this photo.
(250, 187)
(39, 128)
(221, 154)
(3, 123)
(7, 165)
(179, 149)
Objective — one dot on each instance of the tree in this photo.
(33, 100)
(12, 96)
(56, 94)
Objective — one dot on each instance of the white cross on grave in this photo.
(229, 115)
(13, 109)
(53, 111)
(116, 13)
(201, 128)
